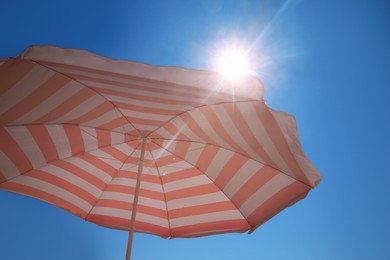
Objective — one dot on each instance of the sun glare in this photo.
(233, 64)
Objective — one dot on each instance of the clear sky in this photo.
(325, 62)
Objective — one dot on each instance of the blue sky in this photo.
(325, 62)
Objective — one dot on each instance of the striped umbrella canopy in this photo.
(161, 150)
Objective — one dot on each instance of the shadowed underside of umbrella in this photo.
(77, 129)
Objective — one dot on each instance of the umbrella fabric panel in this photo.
(34, 94)
(195, 204)
(249, 128)
(32, 146)
(257, 191)
(176, 199)
(72, 124)
(190, 81)
(41, 162)
(147, 104)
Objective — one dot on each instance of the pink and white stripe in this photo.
(70, 123)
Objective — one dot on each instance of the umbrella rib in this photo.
(233, 151)
(62, 159)
(177, 140)
(165, 197)
(113, 177)
(209, 179)
(200, 106)
(98, 93)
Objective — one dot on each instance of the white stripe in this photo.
(116, 164)
(80, 110)
(149, 86)
(124, 148)
(103, 119)
(241, 177)
(26, 142)
(266, 192)
(146, 116)
(147, 104)
(60, 140)
(89, 138)
(125, 214)
(117, 138)
(196, 200)
(150, 171)
(205, 218)
(129, 167)
(186, 183)
(198, 117)
(54, 190)
(131, 183)
(146, 92)
(194, 152)
(129, 198)
(70, 177)
(128, 128)
(169, 146)
(160, 153)
(184, 130)
(125, 128)
(248, 87)
(234, 132)
(262, 136)
(148, 155)
(175, 167)
(50, 103)
(133, 168)
(218, 163)
(101, 154)
(24, 87)
(88, 167)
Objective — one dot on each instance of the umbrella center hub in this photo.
(143, 138)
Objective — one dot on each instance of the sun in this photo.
(233, 63)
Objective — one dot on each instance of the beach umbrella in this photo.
(161, 150)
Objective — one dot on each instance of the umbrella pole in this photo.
(135, 201)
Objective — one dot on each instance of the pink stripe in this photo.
(103, 137)
(63, 184)
(255, 183)
(12, 71)
(115, 204)
(247, 134)
(75, 139)
(284, 198)
(68, 105)
(131, 190)
(201, 209)
(124, 224)
(81, 173)
(277, 137)
(169, 85)
(210, 228)
(193, 191)
(14, 152)
(230, 169)
(42, 93)
(43, 139)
